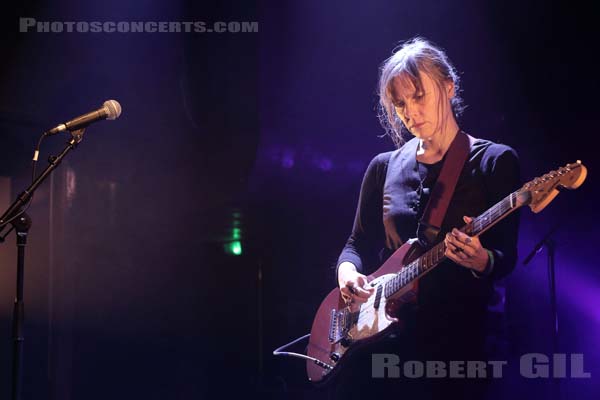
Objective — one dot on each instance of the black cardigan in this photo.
(391, 191)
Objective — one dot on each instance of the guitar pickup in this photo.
(378, 297)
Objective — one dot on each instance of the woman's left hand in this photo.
(466, 250)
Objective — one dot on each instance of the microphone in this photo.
(111, 109)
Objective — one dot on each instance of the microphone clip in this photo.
(77, 136)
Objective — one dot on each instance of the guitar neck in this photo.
(433, 257)
(494, 214)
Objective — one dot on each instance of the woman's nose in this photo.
(410, 109)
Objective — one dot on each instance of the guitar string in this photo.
(479, 223)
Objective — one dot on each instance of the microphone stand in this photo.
(551, 247)
(21, 225)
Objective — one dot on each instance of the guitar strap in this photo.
(437, 205)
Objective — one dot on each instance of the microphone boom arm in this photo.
(22, 199)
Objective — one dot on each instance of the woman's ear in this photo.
(450, 89)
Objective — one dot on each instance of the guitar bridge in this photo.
(339, 325)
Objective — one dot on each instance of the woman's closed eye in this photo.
(417, 97)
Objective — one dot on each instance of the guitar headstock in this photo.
(543, 190)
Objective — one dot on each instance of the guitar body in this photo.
(339, 329)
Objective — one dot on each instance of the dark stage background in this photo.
(132, 289)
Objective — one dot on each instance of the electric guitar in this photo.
(340, 328)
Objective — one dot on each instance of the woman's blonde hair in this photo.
(410, 58)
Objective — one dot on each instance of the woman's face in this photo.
(424, 111)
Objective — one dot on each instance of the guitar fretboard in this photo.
(435, 255)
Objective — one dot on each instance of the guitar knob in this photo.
(335, 357)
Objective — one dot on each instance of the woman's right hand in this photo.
(353, 284)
